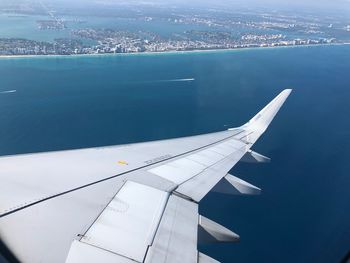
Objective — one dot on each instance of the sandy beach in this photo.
(163, 52)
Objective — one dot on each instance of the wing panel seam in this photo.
(111, 177)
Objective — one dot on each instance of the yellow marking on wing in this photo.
(122, 162)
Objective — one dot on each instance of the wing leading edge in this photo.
(130, 203)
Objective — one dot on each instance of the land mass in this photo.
(24, 47)
(199, 30)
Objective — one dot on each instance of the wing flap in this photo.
(191, 165)
(176, 238)
(84, 253)
(128, 224)
(198, 187)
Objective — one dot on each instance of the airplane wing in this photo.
(128, 203)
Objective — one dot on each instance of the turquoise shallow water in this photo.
(303, 214)
(18, 26)
(21, 26)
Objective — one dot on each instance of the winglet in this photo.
(264, 117)
(259, 123)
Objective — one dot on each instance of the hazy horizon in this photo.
(328, 5)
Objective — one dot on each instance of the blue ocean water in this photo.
(303, 213)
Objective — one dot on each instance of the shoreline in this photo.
(173, 52)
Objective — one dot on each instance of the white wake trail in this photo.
(8, 91)
(177, 80)
(181, 80)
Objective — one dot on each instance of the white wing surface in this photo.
(129, 203)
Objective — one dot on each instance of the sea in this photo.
(303, 213)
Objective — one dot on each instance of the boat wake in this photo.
(8, 91)
(176, 80)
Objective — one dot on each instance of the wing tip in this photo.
(287, 92)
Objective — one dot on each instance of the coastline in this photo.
(173, 52)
